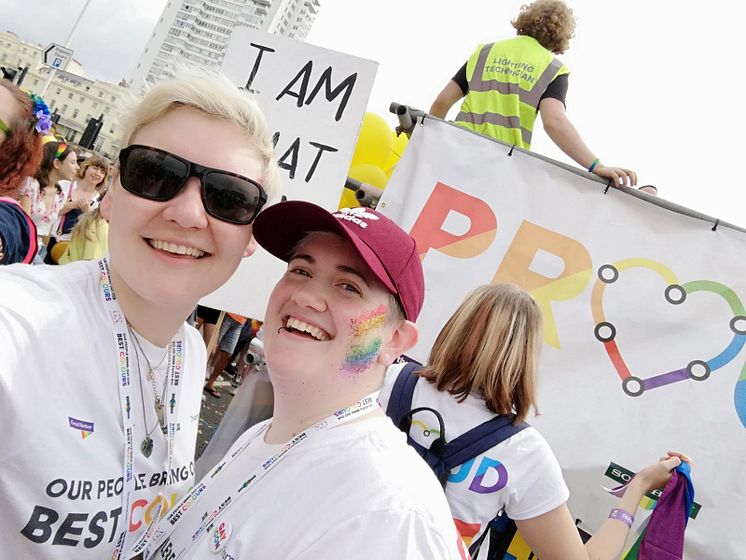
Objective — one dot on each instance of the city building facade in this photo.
(197, 32)
(75, 99)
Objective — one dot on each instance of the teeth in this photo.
(298, 325)
(175, 249)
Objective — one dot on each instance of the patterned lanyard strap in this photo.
(124, 373)
(174, 538)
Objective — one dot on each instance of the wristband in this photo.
(621, 515)
(593, 165)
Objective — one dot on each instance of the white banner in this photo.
(644, 322)
(314, 100)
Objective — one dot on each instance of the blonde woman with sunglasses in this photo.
(100, 377)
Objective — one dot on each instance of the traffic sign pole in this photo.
(53, 71)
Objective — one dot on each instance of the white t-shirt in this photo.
(520, 474)
(352, 491)
(62, 445)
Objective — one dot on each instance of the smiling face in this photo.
(94, 175)
(172, 253)
(330, 314)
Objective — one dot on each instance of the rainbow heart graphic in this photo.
(675, 294)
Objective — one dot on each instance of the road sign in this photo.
(56, 56)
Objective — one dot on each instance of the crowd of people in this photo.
(103, 463)
(59, 197)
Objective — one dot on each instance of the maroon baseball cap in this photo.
(387, 249)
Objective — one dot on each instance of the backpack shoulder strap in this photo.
(481, 439)
(400, 401)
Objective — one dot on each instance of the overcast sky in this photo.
(653, 84)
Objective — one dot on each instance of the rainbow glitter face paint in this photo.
(364, 345)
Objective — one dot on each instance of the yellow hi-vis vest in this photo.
(506, 82)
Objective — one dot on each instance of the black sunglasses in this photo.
(160, 175)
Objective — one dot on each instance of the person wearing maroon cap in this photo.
(328, 476)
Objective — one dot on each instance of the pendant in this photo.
(151, 375)
(160, 412)
(147, 446)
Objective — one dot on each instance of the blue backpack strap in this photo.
(480, 439)
(472, 444)
(400, 401)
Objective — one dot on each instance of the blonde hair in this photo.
(214, 95)
(490, 345)
(85, 219)
(550, 22)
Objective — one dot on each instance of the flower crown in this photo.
(41, 119)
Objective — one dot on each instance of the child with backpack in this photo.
(497, 471)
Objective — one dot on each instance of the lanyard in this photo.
(124, 376)
(176, 539)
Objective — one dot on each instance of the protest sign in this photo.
(644, 322)
(314, 100)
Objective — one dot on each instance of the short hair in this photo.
(214, 95)
(95, 161)
(490, 345)
(47, 161)
(20, 154)
(550, 22)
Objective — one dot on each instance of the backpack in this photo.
(442, 456)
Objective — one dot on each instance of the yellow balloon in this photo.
(348, 199)
(373, 143)
(367, 173)
(397, 149)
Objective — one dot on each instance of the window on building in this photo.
(75, 113)
(70, 95)
(59, 91)
(82, 99)
(64, 108)
(106, 109)
(95, 104)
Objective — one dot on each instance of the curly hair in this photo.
(551, 22)
(20, 154)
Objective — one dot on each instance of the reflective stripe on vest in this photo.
(476, 113)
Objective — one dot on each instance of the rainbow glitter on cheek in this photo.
(361, 352)
(359, 357)
(369, 320)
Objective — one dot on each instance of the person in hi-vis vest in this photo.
(507, 83)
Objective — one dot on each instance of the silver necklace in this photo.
(160, 400)
(146, 447)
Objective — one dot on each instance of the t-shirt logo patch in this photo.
(356, 216)
(220, 537)
(86, 428)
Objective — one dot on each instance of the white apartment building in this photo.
(75, 98)
(197, 31)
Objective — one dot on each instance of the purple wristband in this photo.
(621, 515)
